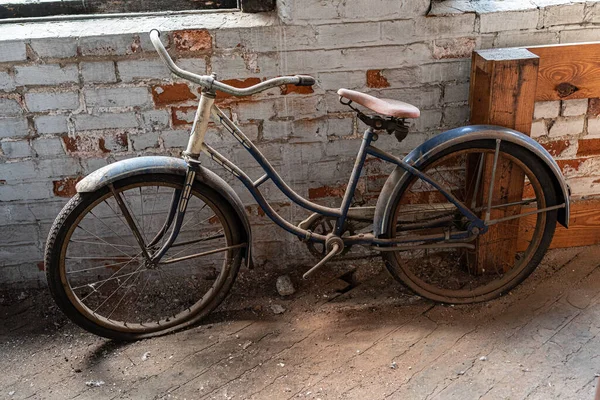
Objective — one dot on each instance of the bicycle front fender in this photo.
(169, 165)
(444, 140)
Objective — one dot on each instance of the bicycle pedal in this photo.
(337, 246)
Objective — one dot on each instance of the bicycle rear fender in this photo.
(168, 165)
(444, 140)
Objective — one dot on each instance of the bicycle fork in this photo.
(179, 204)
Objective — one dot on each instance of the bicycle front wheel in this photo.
(99, 276)
(495, 261)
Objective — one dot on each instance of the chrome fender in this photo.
(444, 140)
(168, 165)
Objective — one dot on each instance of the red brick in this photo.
(326, 191)
(175, 93)
(238, 83)
(594, 107)
(183, 115)
(588, 147)
(556, 147)
(376, 80)
(572, 164)
(287, 89)
(41, 266)
(192, 40)
(65, 187)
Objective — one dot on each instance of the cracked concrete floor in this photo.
(374, 341)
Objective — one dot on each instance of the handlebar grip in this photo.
(305, 80)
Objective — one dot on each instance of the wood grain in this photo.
(502, 92)
(584, 228)
(568, 71)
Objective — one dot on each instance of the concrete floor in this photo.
(368, 340)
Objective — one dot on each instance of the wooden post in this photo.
(502, 92)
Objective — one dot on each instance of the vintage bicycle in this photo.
(150, 245)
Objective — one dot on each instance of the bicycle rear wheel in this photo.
(99, 277)
(503, 256)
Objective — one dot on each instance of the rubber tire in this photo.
(539, 169)
(80, 202)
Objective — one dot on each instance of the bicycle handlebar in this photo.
(208, 82)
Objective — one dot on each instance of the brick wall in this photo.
(71, 104)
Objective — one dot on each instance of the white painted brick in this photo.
(574, 107)
(107, 45)
(49, 74)
(436, 27)
(195, 65)
(567, 126)
(456, 116)
(456, 93)
(18, 171)
(9, 107)
(422, 97)
(268, 38)
(7, 83)
(144, 141)
(445, 71)
(49, 168)
(46, 101)
(546, 109)
(593, 128)
(48, 147)
(98, 72)
(273, 130)
(117, 97)
(359, 58)
(156, 119)
(17, 149)
(84, 122)
(50, 124)
(12, 51)
(10, 256)
(592, 12)
(403, 77)
(590, 34)
(398, 31)
(135, 70)
(11, 213)
(508, 21)
(55, 47)
(429, 120)
(13, 127)
(337, 80)
(175, 138)
(347, 35)
(26, 191)
(315, 10)
(233, 66)
(19, 234)
(539, 128)
(526, 38)
(563, 14)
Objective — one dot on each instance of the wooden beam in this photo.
(502, 92)
(584, 229)
(568, 71)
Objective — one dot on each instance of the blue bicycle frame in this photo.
(343, 212)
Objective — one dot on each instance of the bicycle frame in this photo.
(341, 214)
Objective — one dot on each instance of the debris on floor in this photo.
(277, 309)
(284, 285)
